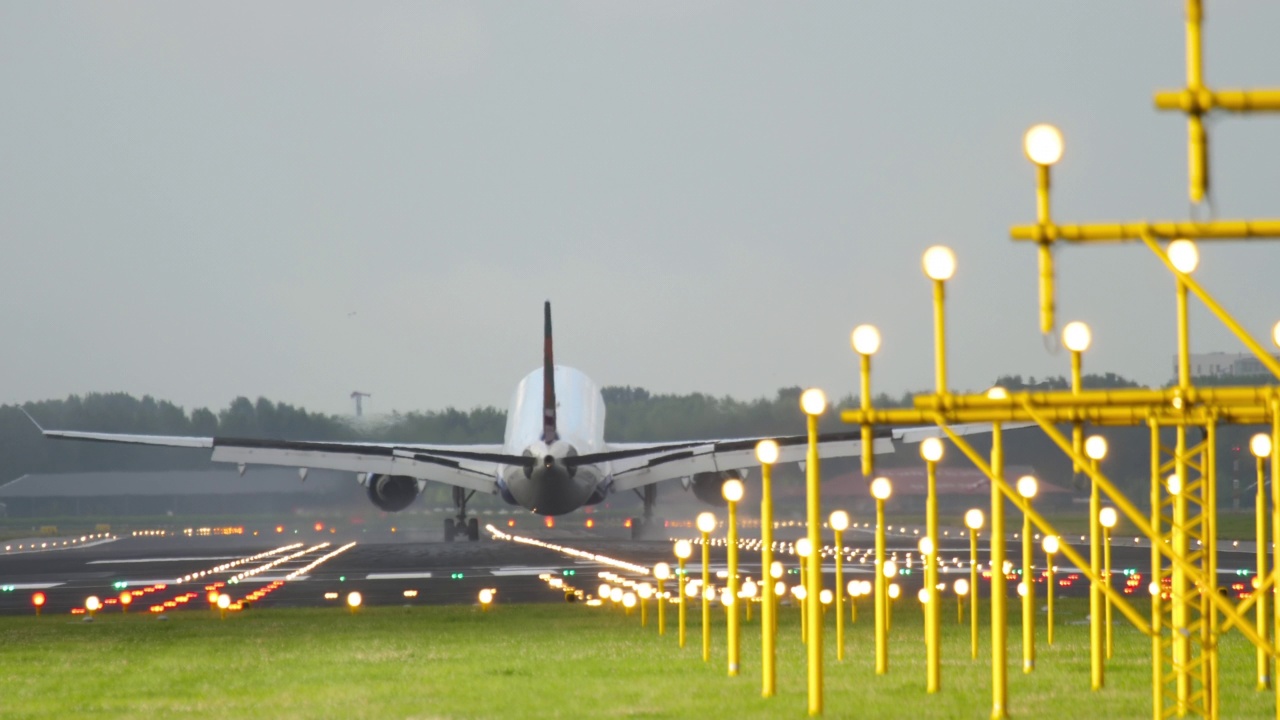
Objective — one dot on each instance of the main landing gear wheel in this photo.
(449, 530)
(644, 527)
(473, 529)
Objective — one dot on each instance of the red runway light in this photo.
(551, 522)
(38, 599)
(627, 524)
(319, 527)
(511, 523)
(590, 523)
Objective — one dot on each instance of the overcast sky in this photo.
(298, 200)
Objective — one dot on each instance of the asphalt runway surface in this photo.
(314, 569)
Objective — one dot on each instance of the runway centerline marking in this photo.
(398, 576)
(158, 560)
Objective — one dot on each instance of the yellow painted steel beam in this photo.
(1122, 503)
(1105, 416)
(1205, 100)
(1038, 520)
(1135, 231)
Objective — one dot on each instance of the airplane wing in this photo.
(474, 467)
(639, 464)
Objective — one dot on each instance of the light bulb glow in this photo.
(925, 546)
(775, 570)
(767, 452)
(683, 549)
(1184, 255)
(973, 519)
(1260, 445)
(661, 571)
(894, 591)
(923, 596)
(839, 521)
(939, 263)
(1028, 486)
(813, 401)
(1051, 544)
(1043, 144)
(1174, 483)
(961, 587)
(803, 547)
(865, 339)
(706, 522)
(890, 568)
(732, 489)
(931, 449)
(1095, 447)
(1107, 517)
(1076, 336)
(997, 393)
(881, 488)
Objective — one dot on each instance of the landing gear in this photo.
(646, 527)
(455, 526)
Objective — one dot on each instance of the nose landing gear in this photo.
(647, 527)
(461, 525)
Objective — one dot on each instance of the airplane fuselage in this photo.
(549, 487)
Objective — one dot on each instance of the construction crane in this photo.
(359, 397)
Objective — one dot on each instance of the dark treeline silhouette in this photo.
(634, 415)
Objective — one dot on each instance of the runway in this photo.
(304, 568)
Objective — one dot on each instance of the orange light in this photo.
(333, 531)
(627, 524)
(279, 528)
(38, 599)
(126, 597)
(393, 528)
(551, 522)
(511, 523)
(212, 597)
(590, 523)
(319, 526)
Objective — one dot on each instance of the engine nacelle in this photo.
(707, 486)
(392, 493)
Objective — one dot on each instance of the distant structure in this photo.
(358, 397)
(1220, 364)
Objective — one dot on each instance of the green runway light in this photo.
(6, 588)
(342, 578)
(456, 576)
(568, 572)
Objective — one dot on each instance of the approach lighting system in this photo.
(732, 490)
(1027, 486)
(1095, 446)
(661, 571)
(925, 546)
(1275, 334)
(973, 519)
(1107, 516)
(92, 603)
(890, 568)
(1043, 144)
(224, 601)
(881, 488)
(803, 547)
(865, 339)
(931, 449)
(683, 549)
(961, 587)
(1260, 445)
(839, 521)
(767, 452)
(939, 263)
(1184, 256)
(813, 401)
(354, 599)
(1076, 336)
(706, 522)
(997, 393)
(1051, 544)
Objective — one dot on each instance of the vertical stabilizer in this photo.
(548, 381)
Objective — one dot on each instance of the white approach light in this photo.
(1076, 336)
(1183, 255)
(683, 549)
(813, 401)
(925, 546)
(839, 521)
(706, 522)
(962, 587)
(803, 547)
(923, 596)
(939, 263)
(890, 568)
(1275, 334)
(1051, 544)
(997, 393)
(1174, 483)
(1107, 516)
(732, 490)
(974, 519)
(1260, 445)
(865, 340)
(661, 571)
(1043, 144)
(767, 452)
(1027, 486)
(881, 488)
(1095, 446)
(931, 449)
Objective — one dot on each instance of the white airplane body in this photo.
(553, 459)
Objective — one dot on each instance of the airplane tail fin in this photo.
(549, 434)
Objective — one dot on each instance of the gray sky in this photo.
(298, 200)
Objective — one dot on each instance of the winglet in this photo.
(33, 420)
(549, 434)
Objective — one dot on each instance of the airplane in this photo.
(554, 458)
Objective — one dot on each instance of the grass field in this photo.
(540, 661)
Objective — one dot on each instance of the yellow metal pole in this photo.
(1157, 601)
(868, 457)
(959, 609)
(882, 591)
(1263, 619)
(1029, 594)
(1106, 573)
(813, 488)
(839, 591)
(933, 608)
(973, 588)
(662, 610)
(644, 611)
(1197, 140)
(999, 604)
(681, 583)
(804, 604)
(1275, 510)
(1097, 675)
(940, 336)
(1180, 588)
(768, 607)
(706, 600)
(731, 546)
(1044, 250)
(1209, 619)
(1049, 596)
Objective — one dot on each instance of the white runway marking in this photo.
(397, 576)
(519, 571)
(33, 586)
(158, 560)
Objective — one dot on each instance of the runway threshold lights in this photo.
(486, 598)
(354, 599)
(38, 600)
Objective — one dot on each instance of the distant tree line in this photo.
(634, 415)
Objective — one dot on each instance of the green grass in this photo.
(542, 661)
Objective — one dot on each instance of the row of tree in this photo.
(634, 415)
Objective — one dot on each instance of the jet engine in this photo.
(706, 486)
(392, 493)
